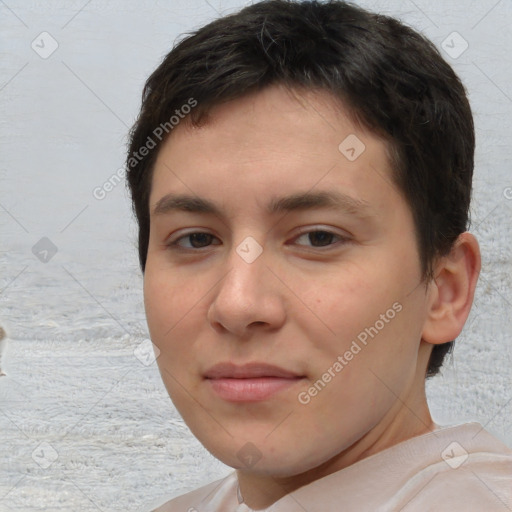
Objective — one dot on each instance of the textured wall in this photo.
(67, 98)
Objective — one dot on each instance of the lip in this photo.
(252, 382)
(248, 371)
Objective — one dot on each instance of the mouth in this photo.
(251, 382)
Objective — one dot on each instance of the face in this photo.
(282, 284)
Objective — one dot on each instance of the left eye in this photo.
(320, 238)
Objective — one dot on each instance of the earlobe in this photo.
(451, 292)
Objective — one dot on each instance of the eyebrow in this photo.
(294, 202)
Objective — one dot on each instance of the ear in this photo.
(452, 290)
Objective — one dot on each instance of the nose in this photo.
(248, 299)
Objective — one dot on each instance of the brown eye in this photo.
(196, 240)
(320, 238)
(200, 239)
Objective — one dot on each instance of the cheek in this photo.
(164, 307)
(175, 306)
(170, 319)
(168, 295)
(344, 303)
(158, 302)
(370, 313)
(388, 353)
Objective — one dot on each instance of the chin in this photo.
(266, 457)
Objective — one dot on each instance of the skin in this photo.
(298, 305)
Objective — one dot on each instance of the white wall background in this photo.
(84, 424)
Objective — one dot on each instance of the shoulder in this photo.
(481, 483)
(473, 471)
(200, 499)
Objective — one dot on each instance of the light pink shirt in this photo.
(452, 469)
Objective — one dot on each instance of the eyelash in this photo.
(174, 245)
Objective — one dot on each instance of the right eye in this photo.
(197, 240)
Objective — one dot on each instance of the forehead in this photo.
(271, 141)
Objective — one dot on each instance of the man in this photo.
(301, 175)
